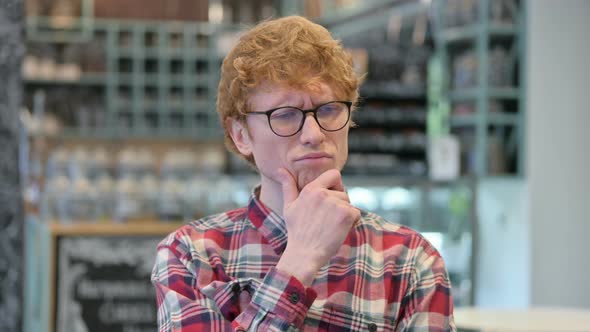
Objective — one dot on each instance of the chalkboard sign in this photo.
(104, 284)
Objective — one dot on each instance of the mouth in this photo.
(314, 156)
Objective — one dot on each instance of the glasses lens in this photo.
(285, 121)
(333, 116)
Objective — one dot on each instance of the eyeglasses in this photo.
(288, 120)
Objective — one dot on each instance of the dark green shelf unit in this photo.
(367, 15)
(480, 35)
(76, 30)
(459, 34)
(493, 118)
(390, 136)
(473, 94)
(160, 78)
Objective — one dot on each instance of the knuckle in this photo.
(350, 214)
(356, 214)
(307, 191)
(346, 197)
(335, 173)
(342, 213)
(319, 194)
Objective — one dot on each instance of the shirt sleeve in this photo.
(428, 304)
(279, 303)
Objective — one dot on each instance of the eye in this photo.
(330, 110)
(285, 114)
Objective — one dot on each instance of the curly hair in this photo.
(290, 50)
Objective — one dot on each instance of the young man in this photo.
(299, 256)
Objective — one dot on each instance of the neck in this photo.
(271, 194)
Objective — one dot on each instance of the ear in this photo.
(240, 135)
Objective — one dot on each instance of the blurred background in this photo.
(471, 129)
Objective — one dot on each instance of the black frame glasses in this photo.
(304, 112)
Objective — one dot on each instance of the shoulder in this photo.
(210, 227)
(394, 235)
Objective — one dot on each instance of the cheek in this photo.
(342, 147)
(269, 155)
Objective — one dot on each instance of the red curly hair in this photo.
(292, 51)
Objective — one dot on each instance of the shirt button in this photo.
(235, 288)
(372, 327)
(294, 298)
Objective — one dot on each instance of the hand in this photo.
(318, 219)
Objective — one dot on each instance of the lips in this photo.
(314, 155)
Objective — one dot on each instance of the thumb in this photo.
(290, 192)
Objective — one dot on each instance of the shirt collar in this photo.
(269, 223)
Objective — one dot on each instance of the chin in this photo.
(305, 176)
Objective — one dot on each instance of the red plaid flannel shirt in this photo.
(217, 274)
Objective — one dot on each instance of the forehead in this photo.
(269, 95)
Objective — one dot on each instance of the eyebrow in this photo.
(313, 105)
(285, 101)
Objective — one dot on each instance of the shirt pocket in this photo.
(344, 320)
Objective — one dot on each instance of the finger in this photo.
(290, 191)
(244, 300)
(352, 213)
(343, 196)
(358, 217)
(330, 179)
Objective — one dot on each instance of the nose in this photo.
(311, 133)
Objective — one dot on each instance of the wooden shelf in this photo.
(110, 228)
(87, 79)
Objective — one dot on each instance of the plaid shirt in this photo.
(385, 277)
